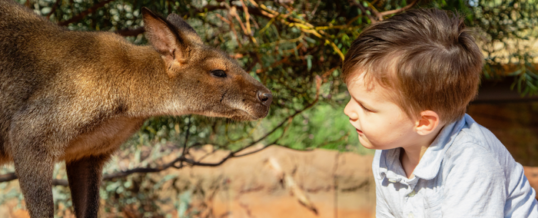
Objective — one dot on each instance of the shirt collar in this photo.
(388, 161)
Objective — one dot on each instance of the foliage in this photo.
(296, 49)
(507, 31)
(286, 44)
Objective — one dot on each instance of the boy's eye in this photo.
(365, 108)
(362, 106)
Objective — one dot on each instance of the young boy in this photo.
(411, 78)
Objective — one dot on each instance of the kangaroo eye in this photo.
(218, 73)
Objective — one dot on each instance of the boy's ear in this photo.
(164, 38)
(427, 123)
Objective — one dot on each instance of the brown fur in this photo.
(76, 96)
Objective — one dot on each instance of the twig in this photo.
(247, 17)
(364, 10)
(85, 13)
(8, 177)
(385, 13)
(318, 85)
(233, 13)
(379, 15)
(273, 65)
(247, 21)
(186, 136)
(315, 9)
(12, 176)
(264, 10)
(131, 32)
(232, 27)
(56, 5)
(28, 4)
(251, 10)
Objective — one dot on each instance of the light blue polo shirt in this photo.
(466, 172)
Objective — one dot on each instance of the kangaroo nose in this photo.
(265, 98)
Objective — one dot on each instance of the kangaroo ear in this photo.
(164, 38)
(186, 32)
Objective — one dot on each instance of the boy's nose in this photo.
(348, 111)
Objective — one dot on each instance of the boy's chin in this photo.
(369, 146)
(366, 143)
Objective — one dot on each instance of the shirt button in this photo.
(410, 215)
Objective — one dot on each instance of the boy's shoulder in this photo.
(476, 141)
(472, 168)
(475, 149)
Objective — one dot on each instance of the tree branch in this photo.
(385, 13)
(54, 7)
(131, 32)
(250, 10)
(378, 16)
(140, 30)
(187, 133)
(12, 176)
(8, 177)
(85, 13)
(364, 10)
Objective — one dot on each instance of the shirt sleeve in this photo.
(474, 184)
(382, 209)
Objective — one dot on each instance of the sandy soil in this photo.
(276, 182)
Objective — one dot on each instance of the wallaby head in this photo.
(209, 81)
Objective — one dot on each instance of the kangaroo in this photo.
(77, 96)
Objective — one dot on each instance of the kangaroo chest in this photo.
(103, 140)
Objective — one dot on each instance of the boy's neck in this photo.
(410, 155)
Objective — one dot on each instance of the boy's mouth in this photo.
(359, 131)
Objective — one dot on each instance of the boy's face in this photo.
(380, 123)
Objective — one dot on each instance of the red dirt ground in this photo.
(277, 182)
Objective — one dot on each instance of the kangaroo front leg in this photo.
(84, 180)
(34, 169)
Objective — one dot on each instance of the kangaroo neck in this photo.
(126, 79)
(150, 89)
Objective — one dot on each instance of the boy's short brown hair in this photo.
(424, 56)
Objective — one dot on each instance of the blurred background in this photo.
(304, 159)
